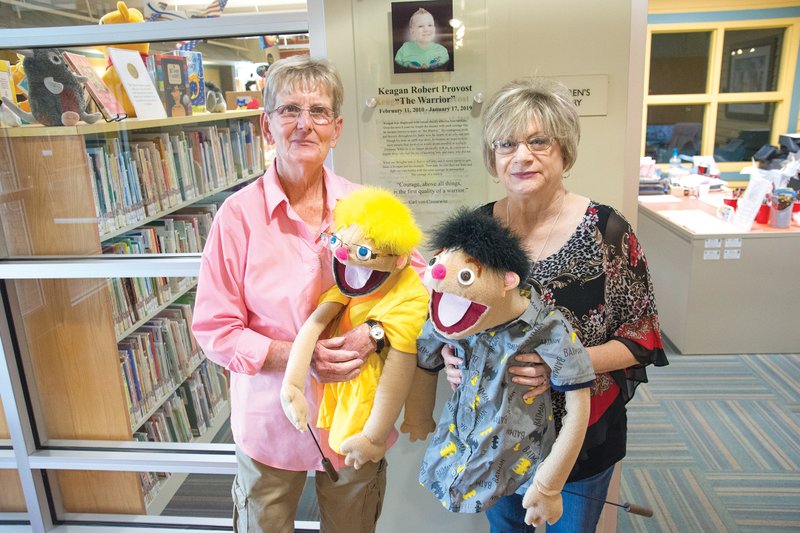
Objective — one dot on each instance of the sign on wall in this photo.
(420, 80)
(590, 93)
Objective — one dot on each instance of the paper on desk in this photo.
(662, 199)
(699, 222)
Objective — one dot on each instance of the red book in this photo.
(106, 102)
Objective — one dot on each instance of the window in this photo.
(718, 88)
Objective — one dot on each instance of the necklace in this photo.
(549, 232)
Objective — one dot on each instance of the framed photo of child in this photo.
(422, 38)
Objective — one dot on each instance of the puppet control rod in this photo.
(629, 507)
(326, 463)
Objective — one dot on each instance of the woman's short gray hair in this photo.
(510, 112)
(303, 72)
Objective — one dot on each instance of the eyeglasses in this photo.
(537, 144)
(319, 115)
(362, 253)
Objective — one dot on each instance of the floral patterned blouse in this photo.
(600, 282)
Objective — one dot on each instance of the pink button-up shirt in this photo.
(262, 273)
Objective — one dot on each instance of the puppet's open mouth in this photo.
(357, 280)
(453, 314)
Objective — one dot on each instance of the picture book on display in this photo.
(197, 86)
(173, 84)
(137, 83)
(106, 102)
(6, 82)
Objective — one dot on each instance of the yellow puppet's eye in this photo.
(466, 277)
(363, 253)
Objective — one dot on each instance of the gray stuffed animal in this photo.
(215, 101)
(55, 93)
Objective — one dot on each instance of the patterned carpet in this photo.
(714, 445)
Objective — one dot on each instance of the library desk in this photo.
(721, 290)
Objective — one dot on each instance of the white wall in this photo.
(524, 37)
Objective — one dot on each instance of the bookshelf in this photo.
(11, 497)
(69, 191)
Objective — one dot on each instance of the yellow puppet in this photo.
(372, 245)
(122, 15)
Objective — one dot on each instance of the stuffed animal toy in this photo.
(122, 15)
(20, 84)
(489, 440)
(54, 92)
(215, 101)
(7, 117)
(374, 238)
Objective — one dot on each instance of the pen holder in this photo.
(780, 218)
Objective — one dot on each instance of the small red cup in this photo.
(796, 206)
(733, 202)
(763, 214)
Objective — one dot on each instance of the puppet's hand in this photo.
(295, 406)
(541, 507)
(418, 430)
(358, 449)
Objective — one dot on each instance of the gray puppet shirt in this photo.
(488, 440)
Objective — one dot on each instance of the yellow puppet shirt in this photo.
(402, 310)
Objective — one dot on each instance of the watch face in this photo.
(376, 332)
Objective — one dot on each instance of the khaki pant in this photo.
(265, 499)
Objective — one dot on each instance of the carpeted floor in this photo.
(714, 445)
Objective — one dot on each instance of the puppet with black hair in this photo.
(490, 441)
(372, 245)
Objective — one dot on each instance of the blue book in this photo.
(197, 86)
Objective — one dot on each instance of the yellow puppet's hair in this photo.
(382, 217)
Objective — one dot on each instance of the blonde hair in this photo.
(510, 112)
(304, 72)
(383, 218)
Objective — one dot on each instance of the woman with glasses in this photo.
(263, 270)
(586, 261)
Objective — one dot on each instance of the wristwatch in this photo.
(377, 334)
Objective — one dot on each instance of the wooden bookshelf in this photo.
(136, 424)
(128, 124)
(47, 208)
(115, 233)
(11, 498)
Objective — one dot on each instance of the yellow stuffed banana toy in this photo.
(123, 15)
